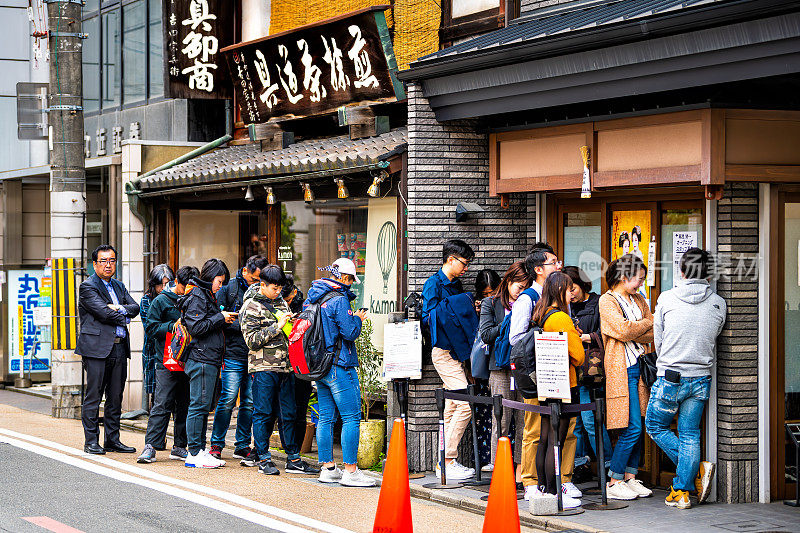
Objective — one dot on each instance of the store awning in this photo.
(590, 50)
(303, 160)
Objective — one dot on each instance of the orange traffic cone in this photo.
(502, 515)
(394, 504)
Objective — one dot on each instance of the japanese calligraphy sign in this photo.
(316, 68)
(24, 288)
(194, 33)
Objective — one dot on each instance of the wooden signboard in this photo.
(194, 33)
(316, 68)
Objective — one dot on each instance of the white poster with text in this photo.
(552, 365)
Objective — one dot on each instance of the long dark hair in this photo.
(626, 266)
(515, 273)
(156, 278)
(486, 278)
(212, 268)
(555, 286)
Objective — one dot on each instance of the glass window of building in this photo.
(91, 65)
(110, 47)
(155, 41)
(134, 73)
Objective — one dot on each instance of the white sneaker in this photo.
(357, 479)
(571, 490)
(201, 460)
(568, 502)
(470, 471)
(330, 476)
(620, 491)
(532, 491)
(636, 486)
(487, 468)
(453, 472)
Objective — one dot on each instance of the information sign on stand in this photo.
(402, 350)
(552, 366)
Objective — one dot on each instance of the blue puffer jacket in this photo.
(337, 319)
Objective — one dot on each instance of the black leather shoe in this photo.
(93, 448)
(119, 448)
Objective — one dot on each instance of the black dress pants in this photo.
(104, 377)
(171, 397)
(302, 393)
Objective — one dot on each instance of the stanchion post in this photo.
(439, 395)
(497, 409)
(555, 422)
(600, 446)
(476, 451)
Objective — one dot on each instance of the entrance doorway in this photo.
(655, 226)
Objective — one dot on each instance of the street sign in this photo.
(316, 68)
(31, 111)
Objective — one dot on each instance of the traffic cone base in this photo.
(393, 514)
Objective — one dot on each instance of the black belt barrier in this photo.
(554, 409)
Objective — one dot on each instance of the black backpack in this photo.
(308, 354)
(523, 360)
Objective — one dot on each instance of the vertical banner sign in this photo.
(194, 33)
(316, 68)
(23, 341)
(65, 308)
(380, 273)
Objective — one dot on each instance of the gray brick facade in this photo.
(737, 349)
(447, 163)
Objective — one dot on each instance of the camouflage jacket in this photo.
(268, 348)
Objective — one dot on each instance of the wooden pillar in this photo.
(273, 232)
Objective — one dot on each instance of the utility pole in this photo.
(67, 174)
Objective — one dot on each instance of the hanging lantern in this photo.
(270, 196)
(341, 190)
(308, 194)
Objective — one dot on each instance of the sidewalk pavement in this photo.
(648, 515)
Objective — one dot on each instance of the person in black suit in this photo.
(105, 309)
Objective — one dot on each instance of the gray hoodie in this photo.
(686, 324)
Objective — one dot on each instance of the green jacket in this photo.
(269, 349)
(161, 317)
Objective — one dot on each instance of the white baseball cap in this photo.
(346, 266)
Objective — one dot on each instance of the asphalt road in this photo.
(37, 486)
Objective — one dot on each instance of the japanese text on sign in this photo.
(315, 69)
(552, 365)
(194, 33)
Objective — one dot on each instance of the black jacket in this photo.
(161, 318)
(492, 315)
(98, 321)
(201, 315)
(588, 314)
(231, 298)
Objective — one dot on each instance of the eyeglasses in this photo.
(556, 263)
(465, 263)
(106, 261)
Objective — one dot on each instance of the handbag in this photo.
(592, 372)
(647, 369)
(479, 359)
(172, 362)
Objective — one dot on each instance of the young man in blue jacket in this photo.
(340, 388)
(456, 256)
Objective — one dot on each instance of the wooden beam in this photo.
(566, 182)
(712, 151)
(273, 232)
(763, 173)
(682, 175)
(362, 121)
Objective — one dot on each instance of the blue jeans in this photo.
(235, 382)
(686, 399)
(202, 381)
(625, 459)
(271, 390)
(581, 446)
(339, 390)
(587, 417)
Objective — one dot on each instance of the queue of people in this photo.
(614, 332)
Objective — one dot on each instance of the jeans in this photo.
(302, 392)
(581, 446)
(269, 390)
(686, 399)
(625, 459)
(339, 389)
(235, 382)
(587, 419)
(202, 380)
(171, 397)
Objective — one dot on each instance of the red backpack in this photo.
(308, 355)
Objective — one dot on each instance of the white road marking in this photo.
(78, 458)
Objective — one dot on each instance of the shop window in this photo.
(134, 74)
(680, 228)
(465, 18)
(110, 46)
(91, 65)
(582, 245)
(155, 42)
(206, 234)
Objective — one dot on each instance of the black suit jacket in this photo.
(98, 321)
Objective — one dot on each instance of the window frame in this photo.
(454, 29)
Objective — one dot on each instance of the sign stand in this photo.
(599, 418)
(794, 434)
(400, 386)
(442, 459)
(555, 423)
(478, 482)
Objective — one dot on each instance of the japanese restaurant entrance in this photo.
(656, 225)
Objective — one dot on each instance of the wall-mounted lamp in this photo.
(464, 209)
(249, 194)
(308, 194)
(375, 189)
(341, 189)
(270, 196)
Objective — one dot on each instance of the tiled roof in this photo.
(558, 20)
(248, 161)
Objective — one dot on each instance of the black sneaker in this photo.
(242, 453)
(215, 451)
(300, 467)
(250, 460)
(268, 467)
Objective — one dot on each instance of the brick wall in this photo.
(448, 163)
(737, 349)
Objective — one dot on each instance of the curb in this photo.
(472, 505)
(29, 392)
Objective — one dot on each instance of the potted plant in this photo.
(372, 432)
